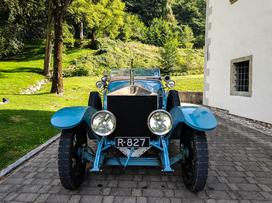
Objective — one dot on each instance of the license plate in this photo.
(132, 142)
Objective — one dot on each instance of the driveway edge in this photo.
(28, 156)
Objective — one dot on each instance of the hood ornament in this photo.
(132, 87)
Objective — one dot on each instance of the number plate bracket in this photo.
(136, 153)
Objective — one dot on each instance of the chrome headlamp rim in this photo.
(171, 84)
(114, 124)
(163, 111)
(99, 85)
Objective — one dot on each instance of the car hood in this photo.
(141, 86)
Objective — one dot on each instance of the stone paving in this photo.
(240, 171)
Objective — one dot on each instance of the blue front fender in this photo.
(196, 117)
(70, 117)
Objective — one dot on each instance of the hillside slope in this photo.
(119, 54)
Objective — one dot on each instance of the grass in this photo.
(192, 83)
(25, 120)
(16, 75)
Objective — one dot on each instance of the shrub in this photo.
(169, 55)
(133, 28)
(187, 38)
(159, 32)
(9, 44)
(118, 54)
(190, 61)
(74, 70)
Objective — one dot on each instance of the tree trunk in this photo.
(94, 43)
(59, 10)
(49, 38)
(57, 80)
(81, 35)
(48, 53)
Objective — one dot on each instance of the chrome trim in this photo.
(163, 111)
(103, 111)
(131, 77)
(117, 78)
(132, 90)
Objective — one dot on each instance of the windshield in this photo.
(138, 72)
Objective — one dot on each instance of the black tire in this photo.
(95, 100)
(71, 168)
(195, 166)
(172, 100)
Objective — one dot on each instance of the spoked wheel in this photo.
(71, 167)
(195, 165)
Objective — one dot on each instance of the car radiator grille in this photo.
(131, 114)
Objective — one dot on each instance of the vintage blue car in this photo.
(132, 126)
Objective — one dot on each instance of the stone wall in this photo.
(191, 97)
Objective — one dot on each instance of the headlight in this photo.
(171, 84)
(159, 122)
(99, 85)
(103, 123)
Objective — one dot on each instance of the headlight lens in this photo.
(159, 122)
(171, 84)
(99, 85)
(103, 123)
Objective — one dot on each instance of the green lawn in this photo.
(25, 120)
(189, 83)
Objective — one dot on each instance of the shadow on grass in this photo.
(2, 76)
(22, 69)
(22, 131)
(72, 50)
(30, 52)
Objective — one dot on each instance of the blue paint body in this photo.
(70, 117)
(196, 117)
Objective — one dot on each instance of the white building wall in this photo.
(233, 31)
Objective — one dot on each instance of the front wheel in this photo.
(71, 167)
(196, 163)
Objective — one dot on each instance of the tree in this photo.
(185, 12)
(105, 18)
(133, 28)
(146, 10)
(59, 9)
(78, 11)
(49, 39)
(169, 55)
(102, 17)
(187, 38)
(20, 21)
(167, 12)
(160, 31)
(192, 13)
